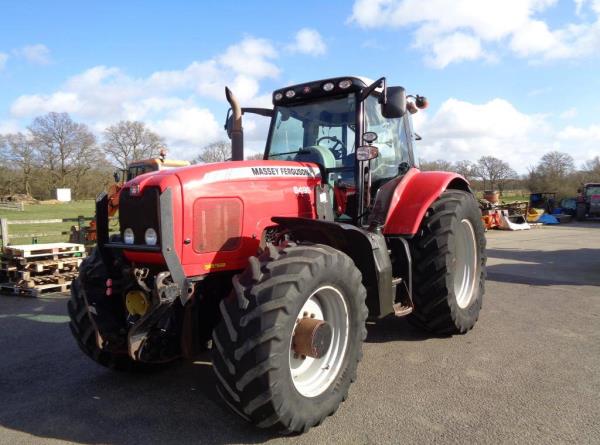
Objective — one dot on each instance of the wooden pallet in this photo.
(16, 290)
(36, 281)
(54, 250)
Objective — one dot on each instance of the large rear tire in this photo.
(449, 265)
(91, 279)
(260, 375)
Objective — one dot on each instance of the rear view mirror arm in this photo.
(266, 112)
(379, 82)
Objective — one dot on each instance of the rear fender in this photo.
(412, 195)
(368, 251)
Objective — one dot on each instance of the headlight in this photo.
(328, 86)
(345, 84)
(150, 237)
(128, 236)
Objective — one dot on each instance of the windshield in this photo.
(592, 190)
(321, 132)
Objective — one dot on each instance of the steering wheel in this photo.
(339, 149)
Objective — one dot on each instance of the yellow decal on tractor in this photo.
(214, 266)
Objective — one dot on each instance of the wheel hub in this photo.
(318, 341)
(312, 337)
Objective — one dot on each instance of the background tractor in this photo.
(588, 201)
(133, 170)
(279, 262)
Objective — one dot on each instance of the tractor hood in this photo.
(225, 172)
(219, 211)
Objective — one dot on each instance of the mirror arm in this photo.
(266, 112)
(379, 82)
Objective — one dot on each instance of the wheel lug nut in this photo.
(296, 356)
(305, 314)
(303, 357)
(312, 315)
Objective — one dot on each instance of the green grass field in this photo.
(45, 211)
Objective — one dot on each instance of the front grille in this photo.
(140, 213)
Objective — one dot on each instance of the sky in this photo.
(512, 79)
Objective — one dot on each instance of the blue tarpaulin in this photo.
(547, 219)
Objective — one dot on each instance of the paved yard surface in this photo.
(528, 373)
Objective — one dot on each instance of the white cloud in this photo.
(187, 129)
(582, 142)
(171, 102)
(450, 31)
(251, 57)
(308, 41)
(37, 54)
(454, 48)
(569, 113)
(3, 59)
(462, 130)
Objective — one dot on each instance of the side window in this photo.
(391, 140)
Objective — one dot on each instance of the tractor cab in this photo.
(358, 132)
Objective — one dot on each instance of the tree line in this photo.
(57, 152)
(555, 172)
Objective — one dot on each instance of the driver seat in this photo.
(317, 154)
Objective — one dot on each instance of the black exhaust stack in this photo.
(234, 127)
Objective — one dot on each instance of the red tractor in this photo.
(277, 264)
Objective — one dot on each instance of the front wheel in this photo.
(288, 347)
(449, 265)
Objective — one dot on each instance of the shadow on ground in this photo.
(50, 389)
(575, 267)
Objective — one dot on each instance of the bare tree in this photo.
(554, 173)
(493, 170)
(437, 165)
(255, 157)
(63, 145)
(129, 141)
(556, 164)
(216, 152)
(20, 151)
(466, 169)
(592, 167)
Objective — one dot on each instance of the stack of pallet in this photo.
(34, 269)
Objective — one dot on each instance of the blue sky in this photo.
(512, 78)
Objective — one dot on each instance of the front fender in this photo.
(413, 195)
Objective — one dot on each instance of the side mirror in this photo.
(394, 105)
(366, 153)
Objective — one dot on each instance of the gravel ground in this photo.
(528, 373)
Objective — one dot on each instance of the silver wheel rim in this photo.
(465, 278)
(312, 376)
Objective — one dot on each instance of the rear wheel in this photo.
(288, 347)
(449, 265)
